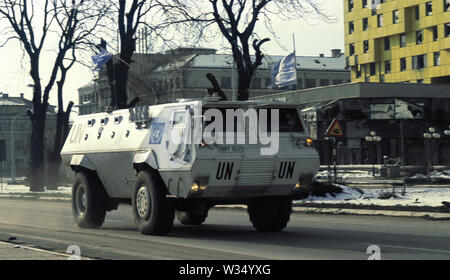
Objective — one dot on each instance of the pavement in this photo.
(11, 251)
(63, 194)
(226, 235)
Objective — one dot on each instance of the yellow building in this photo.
(398, 40)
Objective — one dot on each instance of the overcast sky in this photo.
(312, 38)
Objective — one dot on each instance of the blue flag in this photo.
(285, 72)
(100, 59)
(274, 72)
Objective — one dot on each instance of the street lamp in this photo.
(373, 139)
(429, 136)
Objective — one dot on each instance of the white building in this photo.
(15, 133)
(181, 73)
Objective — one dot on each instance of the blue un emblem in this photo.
(157, 133)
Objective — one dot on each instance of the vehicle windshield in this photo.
(288, 118)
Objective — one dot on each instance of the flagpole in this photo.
(295, 62)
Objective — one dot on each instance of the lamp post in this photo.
(430, 136)
(373, 139)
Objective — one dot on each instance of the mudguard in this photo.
(146, 157)
(83, 161)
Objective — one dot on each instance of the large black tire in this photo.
(89, 200)
(152, 211)
(270, 214)
(190, 218)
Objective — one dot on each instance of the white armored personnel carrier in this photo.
(184, 158)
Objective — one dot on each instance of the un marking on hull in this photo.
(224, 170)
(286, 170)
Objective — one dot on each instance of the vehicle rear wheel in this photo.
(190, 218)
(270, 214)
(88, 201)
(152, 211)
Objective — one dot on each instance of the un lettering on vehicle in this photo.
(77, 133)
(286, 170)
(224, 170)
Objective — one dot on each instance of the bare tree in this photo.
(34, 27)
(77, 22)
(160, 18)
(130, 15)
(237, 20)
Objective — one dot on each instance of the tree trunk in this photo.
(121, 84)
(244, 81)
(62, 124)
(54, 158)
(37, 169)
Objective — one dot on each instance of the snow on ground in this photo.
(348, 174)
(15, 189)
(431, 196)
(356, 174)
(413, 197)
(434, 175)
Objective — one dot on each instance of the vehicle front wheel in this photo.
(270, 213)
(152, 211)
(88, 201)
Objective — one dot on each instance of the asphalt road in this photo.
(227, 234)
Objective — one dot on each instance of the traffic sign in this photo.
(335, 130)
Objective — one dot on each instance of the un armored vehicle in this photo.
(184, 158)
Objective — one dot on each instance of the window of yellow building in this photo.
(352, 49)
(380, 20)
(387, 67)
(387, 43)
(402, 40)
(403, 64)
(429, 8)
(395, 17)
(419, 37)
(435, 33)
(365, 4)
(365, 24)
(437, 58)
(419, 62)
(366, 46)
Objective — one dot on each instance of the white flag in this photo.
(287, 74)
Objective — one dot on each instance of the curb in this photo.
(35, 197)
(368, 212)
(365, 212)
(296, 209)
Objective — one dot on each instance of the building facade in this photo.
(181, 73)
(15, 133)
(185, 76)
(398, 113)
(398, 41)
(96, 96)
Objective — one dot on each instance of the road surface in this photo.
(227, 234)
